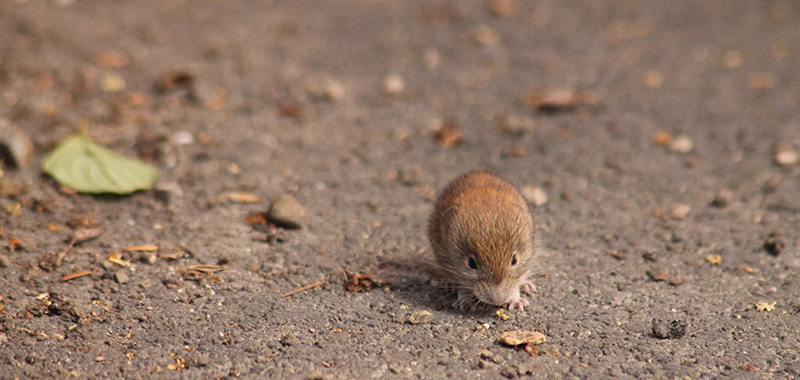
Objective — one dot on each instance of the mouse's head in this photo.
(490, 253)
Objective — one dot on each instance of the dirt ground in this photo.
(668, 242)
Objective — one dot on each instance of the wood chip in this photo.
(75, 275)
(240, 197)
(141, 248)
(116, 258)
(304, 288)
(518, 337)
(558, 100)
(203, 268)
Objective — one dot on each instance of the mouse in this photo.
(481, 233)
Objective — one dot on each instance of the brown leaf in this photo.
(175, 80)
(361, 282)
(290, 110)
(448, 135)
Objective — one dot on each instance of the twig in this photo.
(75, 275)
(298, 290)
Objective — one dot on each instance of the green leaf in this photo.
(88, 167)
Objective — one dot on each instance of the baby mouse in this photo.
(481, 233)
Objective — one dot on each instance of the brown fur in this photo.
(483, 217)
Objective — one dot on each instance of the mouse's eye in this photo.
(472, 264)
(514, 260)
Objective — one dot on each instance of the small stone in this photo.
(485, 35)
(285, 211)
(290, 340)
(149, 258)
(723, 198)
(121, 276)
(669, 330)
(393, 85)
(786, 155)
(484, 364)
(196, 359)
(15, 144)
(112, 82)
(326, 89)
(420, 317)
(675, 280)
(681, 144)
(502, 8)
(486, 354)
(432, 59)
(5, 262)
(515, 338)
(680, 211)
(775, 244)
(319, 375)
(534, 195)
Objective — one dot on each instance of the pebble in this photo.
(121, 276)
(290, 340)
(285, 211)
(534, 195)
(680, 211)
(681, 144)
(723, 198)
(786, 155)
(502, 8)
(17, 143)
(775, 244)
(393, 84)
(669, 330)
(5, 262)
(486, 36)
(420, 317)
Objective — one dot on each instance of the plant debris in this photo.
(75, 275)
(764, 306)
(558, 100)
(304, 288)
(240, 197)
(87, 167)
(361, 282)
(116, 258)
(141, 248)
(448, 135)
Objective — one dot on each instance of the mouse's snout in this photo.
(495, 295)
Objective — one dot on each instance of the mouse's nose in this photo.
(497, 296)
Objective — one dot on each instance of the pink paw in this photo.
(518, 304)
(527, 287)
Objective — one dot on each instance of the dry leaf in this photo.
(448, 135)
(116, 258)
(361, 282)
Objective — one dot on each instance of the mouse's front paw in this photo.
(527, 287)
(518, 304)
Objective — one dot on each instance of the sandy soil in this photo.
(664, 107)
